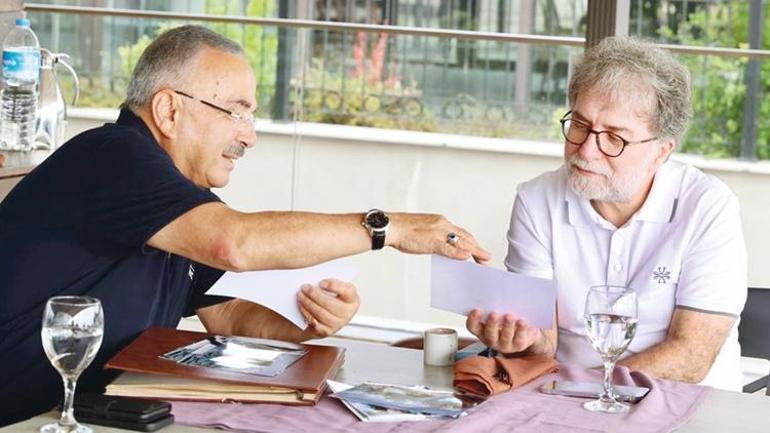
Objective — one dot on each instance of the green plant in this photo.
(719, 89)
(260, 45)
(364, 96)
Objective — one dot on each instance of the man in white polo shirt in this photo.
(619, 213)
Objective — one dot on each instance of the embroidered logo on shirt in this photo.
(661, 275)
(191, 272)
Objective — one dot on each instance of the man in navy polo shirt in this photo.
(124, 213)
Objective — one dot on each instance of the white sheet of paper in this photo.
(460, 287)
(278, 289)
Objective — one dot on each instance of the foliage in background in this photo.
(366, 92)
(719, 88)
(259, 43)
(363, 96)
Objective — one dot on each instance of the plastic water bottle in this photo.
(18, 102)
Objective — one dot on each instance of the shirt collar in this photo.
(128, 118)
(659, 207)
(661, 203)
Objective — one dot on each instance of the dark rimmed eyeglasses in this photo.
(609, 143)
(236, 117)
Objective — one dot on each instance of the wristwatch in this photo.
(377, 223)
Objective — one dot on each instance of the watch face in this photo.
(377, 220)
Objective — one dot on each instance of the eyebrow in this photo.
(242, 102)
(582, 118)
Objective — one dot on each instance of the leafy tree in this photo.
(719, 88)
(259, 43)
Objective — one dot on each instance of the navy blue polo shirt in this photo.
(78, 224)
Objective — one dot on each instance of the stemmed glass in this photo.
(610, 320)
(72, 333)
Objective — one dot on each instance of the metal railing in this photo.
(498, 104)
(378, 28)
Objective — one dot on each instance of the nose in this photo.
(589, 150)
(248, 134)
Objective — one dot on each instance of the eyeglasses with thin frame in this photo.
(236, 117)
(609, 143)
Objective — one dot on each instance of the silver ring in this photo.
(452, 238)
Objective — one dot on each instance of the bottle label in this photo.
(21, 64)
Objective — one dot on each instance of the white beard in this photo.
(609, 188)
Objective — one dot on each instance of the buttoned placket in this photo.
(617, 259)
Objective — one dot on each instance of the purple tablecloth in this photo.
(667, 406)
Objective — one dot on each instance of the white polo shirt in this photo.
(684, 248)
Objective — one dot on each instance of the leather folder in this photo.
(148, 375)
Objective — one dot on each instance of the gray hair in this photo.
(165, 61)
(618, 66)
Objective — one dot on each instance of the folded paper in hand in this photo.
(278, 289)
(460, 287)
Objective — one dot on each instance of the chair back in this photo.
(754, 329)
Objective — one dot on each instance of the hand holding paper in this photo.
(505, 334)
(328, 307)
(460, 287)
(279, 290)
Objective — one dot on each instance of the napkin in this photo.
(486, 376)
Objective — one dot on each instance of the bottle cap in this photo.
(22, 22)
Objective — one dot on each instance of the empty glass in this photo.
(610, 320)
(72, 333)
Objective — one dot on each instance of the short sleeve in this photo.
(713, 276)
(528, 252)
(136, 191)
(203, 278)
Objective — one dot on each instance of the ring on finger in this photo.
(452, 238)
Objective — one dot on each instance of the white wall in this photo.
(472, 180)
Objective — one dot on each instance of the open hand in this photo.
(505, 334)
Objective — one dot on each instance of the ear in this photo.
(664, 151)
(164, 108)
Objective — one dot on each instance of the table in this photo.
(722, 411)
(17, 165)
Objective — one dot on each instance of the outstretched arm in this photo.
(221, 237)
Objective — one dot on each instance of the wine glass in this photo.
(610, 320)
(72, 333)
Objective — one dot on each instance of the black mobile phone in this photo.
(630, 394)
(129, 425)
(123, 412)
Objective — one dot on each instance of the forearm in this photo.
(220, 237)
(673, 360)
(238, 317)
(281, 240)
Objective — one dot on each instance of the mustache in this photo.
(235, 149)
(596, 166)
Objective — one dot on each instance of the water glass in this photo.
(611, 313)
(72, 333)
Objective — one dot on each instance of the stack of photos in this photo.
(246, 355)
(385, 402)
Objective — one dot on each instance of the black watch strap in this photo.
(378, 240)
